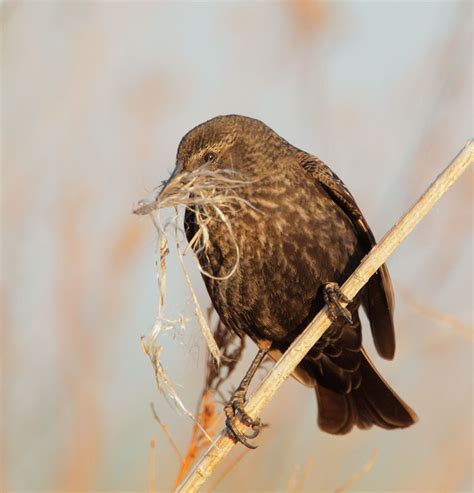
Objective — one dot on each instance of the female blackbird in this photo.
(272, 263)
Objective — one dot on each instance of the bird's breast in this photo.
(266, 260)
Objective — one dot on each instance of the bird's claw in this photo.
(333, 297)
(235, 410)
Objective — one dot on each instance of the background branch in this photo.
(298, 349)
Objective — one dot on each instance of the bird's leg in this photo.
(235, 408)
(333, 297)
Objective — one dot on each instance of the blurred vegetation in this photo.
(95, 98)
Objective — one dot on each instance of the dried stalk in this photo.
(296, 352)
(357, 476)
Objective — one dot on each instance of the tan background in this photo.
(95, 98)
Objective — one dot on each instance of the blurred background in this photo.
(95, 98)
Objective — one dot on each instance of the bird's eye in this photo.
(210, 156)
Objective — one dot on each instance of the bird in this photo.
(272, 263)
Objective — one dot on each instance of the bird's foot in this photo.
(235, 410)
(333, 297)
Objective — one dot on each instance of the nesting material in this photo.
(212, 195)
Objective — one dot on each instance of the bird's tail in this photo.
(372, 403)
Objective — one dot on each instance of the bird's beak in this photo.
(168, 181)
(146, 206)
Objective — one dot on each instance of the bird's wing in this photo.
(378, 301)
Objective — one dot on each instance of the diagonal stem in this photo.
(303, 343)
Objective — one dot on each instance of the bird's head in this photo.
(225, 142)
(230, 147)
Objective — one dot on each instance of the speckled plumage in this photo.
(303, 230)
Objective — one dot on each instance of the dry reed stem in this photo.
(305, 341)
(358, 475)
(439, 316)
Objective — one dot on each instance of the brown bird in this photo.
(272, 263)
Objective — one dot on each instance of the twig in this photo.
(304, 342)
